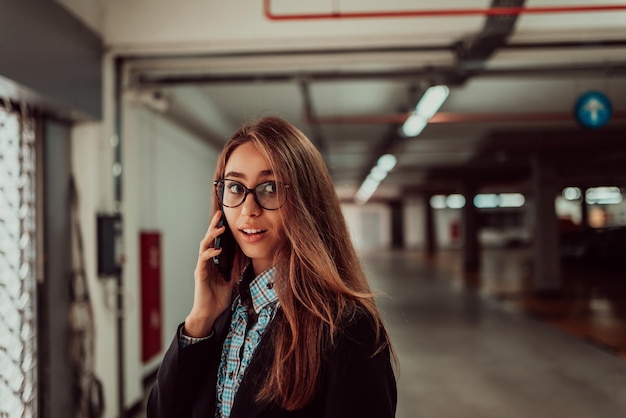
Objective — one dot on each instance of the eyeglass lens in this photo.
(269, 195)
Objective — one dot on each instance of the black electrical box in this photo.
(109, 244)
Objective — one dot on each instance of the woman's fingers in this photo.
(208, 254)
(207, 249)
(213, 231)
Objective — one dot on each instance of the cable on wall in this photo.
(88, 389)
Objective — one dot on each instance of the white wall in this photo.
(167, 178)
(91, 162)
(414, 232)
(568, 209)
(444, 218)
(369, 225)
(168, 188)
(176, 190)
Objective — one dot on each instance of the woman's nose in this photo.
(249, 206)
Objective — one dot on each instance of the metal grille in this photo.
(17, 266)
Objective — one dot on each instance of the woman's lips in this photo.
(251, 235)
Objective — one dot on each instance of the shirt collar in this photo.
(262, 290)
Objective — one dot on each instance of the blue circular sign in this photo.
(593, 110)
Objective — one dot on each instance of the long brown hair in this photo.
(320, 282)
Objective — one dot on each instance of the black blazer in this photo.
(354, 381)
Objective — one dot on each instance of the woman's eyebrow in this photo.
(236, 174)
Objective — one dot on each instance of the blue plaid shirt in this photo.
(243, 338)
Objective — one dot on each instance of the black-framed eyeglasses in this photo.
(270, 195)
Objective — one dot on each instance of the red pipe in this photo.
(500, 117)
(448, 117)
(494, 11)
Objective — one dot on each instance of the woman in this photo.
(296, 332)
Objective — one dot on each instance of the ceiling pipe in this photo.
(493, 11)
(446, 74)
(452, 117)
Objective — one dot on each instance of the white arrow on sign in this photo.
(594, 107)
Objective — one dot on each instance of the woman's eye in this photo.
(235, 188)
(269, 187)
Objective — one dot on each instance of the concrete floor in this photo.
(465, 350)
(461, 353)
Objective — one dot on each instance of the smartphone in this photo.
(224, 261)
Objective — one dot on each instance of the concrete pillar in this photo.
(584, 209)
(430, 245)
(469, 218)
(547, 274)
(56, 381)
(397, 224)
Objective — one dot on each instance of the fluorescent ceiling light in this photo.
(414, 125)
(438, 201)
(603, 195)
(485, 201)
(387, 162)
(366, 190)
(512, 200)
(572, 193)
(455, 201)
(379, 172)
(429, 104)
(431, 101)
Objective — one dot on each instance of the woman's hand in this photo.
(212, 294)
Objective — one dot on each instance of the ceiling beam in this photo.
(439, 75)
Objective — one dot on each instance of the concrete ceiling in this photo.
(513, 84)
